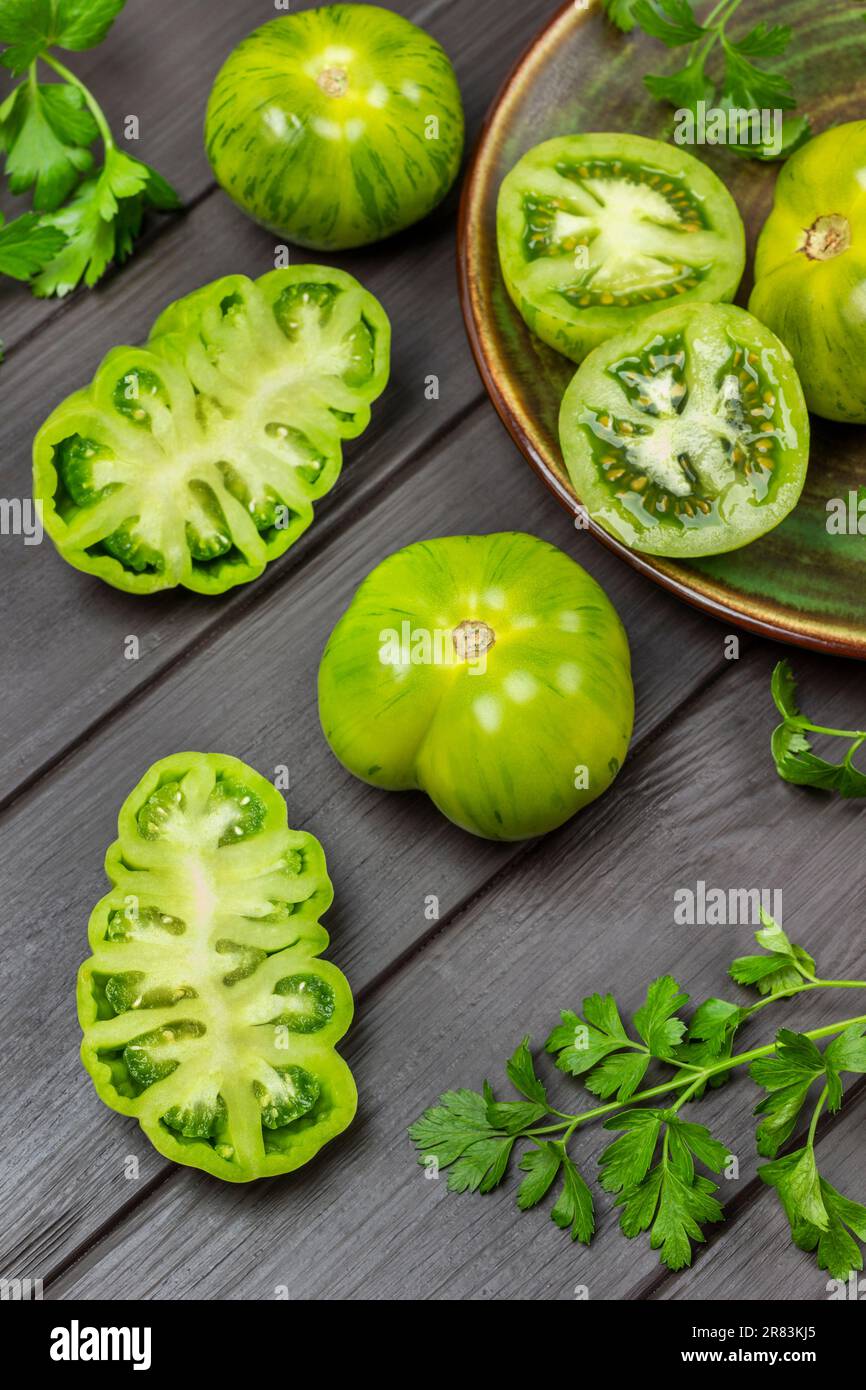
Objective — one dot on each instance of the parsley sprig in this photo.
(652, 1169)
(737, 82)
(792, 748)
(85, 215)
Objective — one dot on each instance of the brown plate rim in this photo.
(471, 201)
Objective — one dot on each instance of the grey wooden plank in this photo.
(57, 687)
(252, 693)
(589, 908)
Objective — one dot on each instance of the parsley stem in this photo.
(804, 723)
(691, 1083)
(813, 1125)
(801, 989)
(90, 101)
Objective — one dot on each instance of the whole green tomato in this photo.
(491, 672)
(336, 127)
(810, 270)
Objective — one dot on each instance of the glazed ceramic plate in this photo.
(799, 583)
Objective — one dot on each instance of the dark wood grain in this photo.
(589, 908)
(521, 931)
(251, 692)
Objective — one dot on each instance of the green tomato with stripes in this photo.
(196, 459)
(491, 672)
(336, 127)
(207, 1012)
(596, 233)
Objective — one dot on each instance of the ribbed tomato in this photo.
(336, 127)
(810, 270)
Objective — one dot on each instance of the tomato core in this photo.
(827, 237)
(333, 81)
(472, 638)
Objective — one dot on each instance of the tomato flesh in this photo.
(491, 672)
(206, 1013)
(596, 232)
(196, 459)
(687, 435)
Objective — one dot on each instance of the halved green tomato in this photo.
(810, 270)
(205, 1011)
(687, 435)
(491, 672)
(196, 459)
(599, 232)
(336, 126)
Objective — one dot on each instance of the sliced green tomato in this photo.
(336, 126)
(598, 232)
(206, 1013)
(810, 270)
(687, 435)
(490, 672)
(196, 459)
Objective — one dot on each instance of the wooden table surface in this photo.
(523, 930)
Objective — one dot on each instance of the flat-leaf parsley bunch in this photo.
(84, 214)
(654, 1167)
(718, 68)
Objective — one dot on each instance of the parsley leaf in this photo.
(742, 86)
(511, 1116)
(583, 1042)
(795, 1178)
(521, 1073)
(619, 12)
(655, 1020)
(749, 87)
(26, 246)
(45, 131)
(820, 1217)
(685, 88)
(102, 221)
(456, 1133)
(764, 41)
(792, 750)
(574, 1206)
(598, 1043)
(672, 21)
(29, 27)
(670, 1197)
(788, 1076)
(541, 1166)
(626, 1162)
(710, 1039)
(785, 967)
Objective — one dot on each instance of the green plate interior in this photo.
(799, 584)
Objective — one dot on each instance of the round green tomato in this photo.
(206, 1010)
(598, 232)
(491, 672)
(810, 270)
(688, 434)
(336, 127)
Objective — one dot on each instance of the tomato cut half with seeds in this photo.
(687, 435)
(196, 459)
(597, 232)
(207, 1012)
